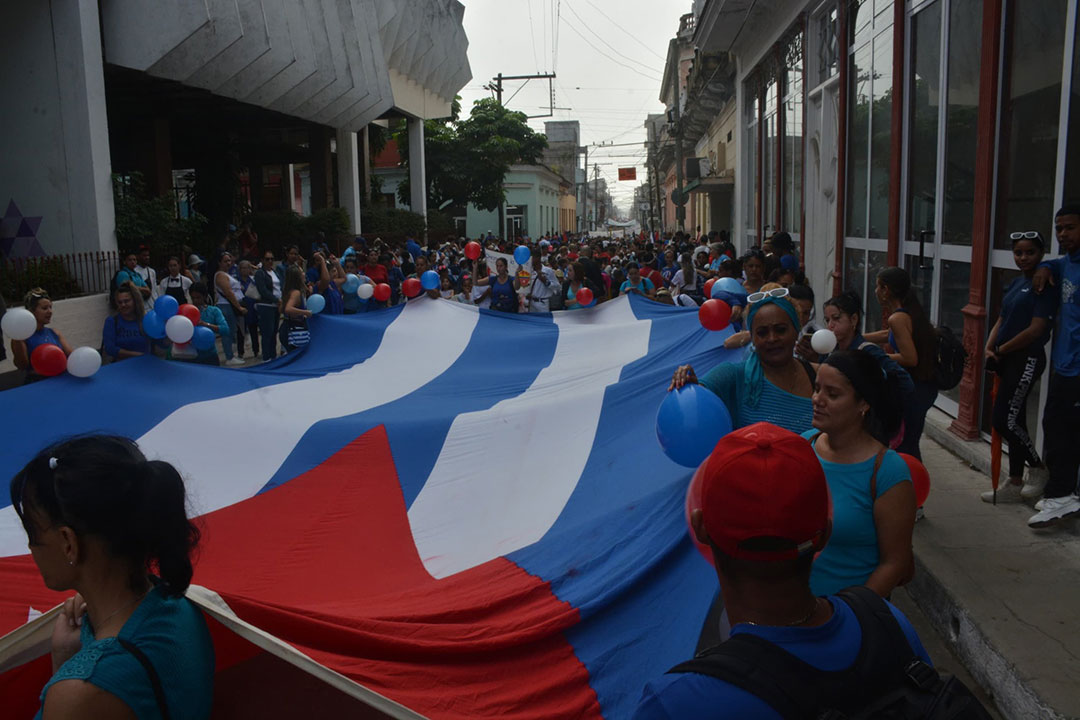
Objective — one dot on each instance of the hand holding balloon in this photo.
(690, 422)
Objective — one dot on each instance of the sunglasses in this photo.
(1029, 235)
(759, 296)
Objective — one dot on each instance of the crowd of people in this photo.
(807, 506)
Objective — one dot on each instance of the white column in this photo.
(349, 177)
(81, 79)
(417, 174)
(290, 183)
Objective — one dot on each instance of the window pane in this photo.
(876, 262)
(750, 186)
(858, 138)
(768, 158)
(1029, 119)
(921, 279)
(923, 122)
(828, 46)
(860, 21)
(1072, 154)
(854, 270)
(961, 120)
(881, 127)
(792, 161)
(955, 278)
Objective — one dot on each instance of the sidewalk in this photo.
(1004, 597)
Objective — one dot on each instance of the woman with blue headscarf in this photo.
(771, 385)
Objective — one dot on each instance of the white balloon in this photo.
(19, 323)
(84, 362)
(365, 291)
(823, 341)
(179, 329)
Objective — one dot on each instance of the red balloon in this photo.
(472, 249)
(48, 360)
(920, 478)
(411, 287)
(693, 502)
(584, 296)
(191, 313)
(714, 314)
(708, 287)
(382, 292)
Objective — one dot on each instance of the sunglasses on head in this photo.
(1029, 235)
(759, 296)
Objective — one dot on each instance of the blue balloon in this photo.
(352, 282)
(166, 306)
(203, 339)
(730, 285)
(316, 303)
(730, 298)
(522, 254)
(789, 262)
(153, 325)
(430, 280)
(690, 422)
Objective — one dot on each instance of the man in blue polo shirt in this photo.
(1061, 419)
(764, 510)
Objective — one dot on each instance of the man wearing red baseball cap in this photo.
(765, 512)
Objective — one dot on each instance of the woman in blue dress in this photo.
(38, 302)
(127, 644)
(771, 385)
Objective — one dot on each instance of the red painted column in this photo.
(966, 424)
(841, 149)
(896, 158)
(802, 151)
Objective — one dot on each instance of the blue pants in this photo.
(916, 406)
(268, 320)
(227, 339)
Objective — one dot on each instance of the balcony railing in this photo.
(63, 276)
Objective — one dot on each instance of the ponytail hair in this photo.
(103, 486)
(874, 384)
(898, 283)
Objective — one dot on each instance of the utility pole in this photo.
(656, 184)
(584, 186)
(596, 191)
(496, 86)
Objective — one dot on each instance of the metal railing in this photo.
(63, 276)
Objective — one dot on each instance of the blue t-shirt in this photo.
(1020, 305)
(851, 555)
(172, 633)
(44, 336)
(1066, 354)
(775, 406)
(120, 334)
(645, 286)
(335, 303)
(832, 646)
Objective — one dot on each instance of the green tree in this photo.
(467, 159)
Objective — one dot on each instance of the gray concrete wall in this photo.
(53, 135)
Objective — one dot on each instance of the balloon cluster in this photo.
(49, 360)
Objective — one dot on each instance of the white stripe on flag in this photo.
(505, 474)
(200, 439)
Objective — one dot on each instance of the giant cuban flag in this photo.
(463, 511)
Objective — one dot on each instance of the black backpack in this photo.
(887, 680)
(951, 357)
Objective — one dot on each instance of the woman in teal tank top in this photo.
(98, 515)
(771, 385)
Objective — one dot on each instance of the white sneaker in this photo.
(1035, 483)
(235, 361)
(1039, 505)
(1007, 493)
(1055, 510)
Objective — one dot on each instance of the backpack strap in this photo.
(885, 652)
(873, 476)
(790, 686)
(155, 680)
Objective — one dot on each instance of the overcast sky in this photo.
(607, 55)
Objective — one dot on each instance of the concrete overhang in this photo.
(720, 23)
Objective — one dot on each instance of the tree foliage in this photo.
(467, 159)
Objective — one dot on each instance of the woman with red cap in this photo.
(857, 408)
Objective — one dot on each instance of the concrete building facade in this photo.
(127, 85)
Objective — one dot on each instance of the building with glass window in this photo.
(918, 133)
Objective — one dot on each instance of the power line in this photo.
(621, 64)
(629, 34)
(558, 18)
(609, 45)
(532, 35)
